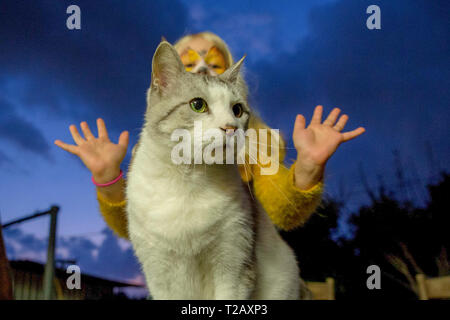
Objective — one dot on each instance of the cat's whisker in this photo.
(249, 168)
(264, 144)
(247, 180)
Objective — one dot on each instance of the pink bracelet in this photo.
(108, 183)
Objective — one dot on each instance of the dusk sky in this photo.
(393, 81)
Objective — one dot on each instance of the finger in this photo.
(67, 147)
(332, 117)
(102, 132)
(124, 138)
(300, 122)
(75, 134)
(86, 131)
(341, 123)
(317, 116)
(346, 136)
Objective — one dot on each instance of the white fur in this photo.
(192, 226)
(188, 232)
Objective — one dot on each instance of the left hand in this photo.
(316, 143)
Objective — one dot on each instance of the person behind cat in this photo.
(289, 197)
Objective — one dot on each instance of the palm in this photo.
(98, 154)
(317, 142)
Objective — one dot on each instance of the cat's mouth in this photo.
(229, 130)
(230, 137)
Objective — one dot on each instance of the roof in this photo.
(31, 266)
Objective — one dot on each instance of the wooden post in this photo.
(421, 285)
(6, 289)
(331, 289)
(49, 272)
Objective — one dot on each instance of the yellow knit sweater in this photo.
(287, 206)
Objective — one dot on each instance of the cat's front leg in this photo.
(233, 262)
(234, 270)
(232, 284)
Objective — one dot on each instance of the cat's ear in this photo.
(166, 66)
(231, 74)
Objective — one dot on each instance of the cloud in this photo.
(246, 25)
(20, 245)
(118, 265)
(4, 159)
(393, 81)
(101, 70)
(256, 28)
(20, 132)
(109, 259)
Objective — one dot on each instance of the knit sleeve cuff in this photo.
(312, 192)
(102, 201)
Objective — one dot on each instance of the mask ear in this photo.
(166, 66)
(231, 74)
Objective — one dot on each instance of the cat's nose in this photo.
(203, 70)
(229, 130)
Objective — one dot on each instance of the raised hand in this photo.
(316, 143)
(101, 156)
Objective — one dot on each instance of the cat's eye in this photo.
(198, 105)
(238, 110)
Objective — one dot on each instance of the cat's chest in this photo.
(160, 202)
(167, 196)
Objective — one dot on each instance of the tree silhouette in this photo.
(402, 239)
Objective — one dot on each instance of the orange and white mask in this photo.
(211, 62)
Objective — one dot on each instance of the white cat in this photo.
(195, 228)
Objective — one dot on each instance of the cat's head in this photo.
(178, 99)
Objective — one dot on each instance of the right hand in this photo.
(101, 156)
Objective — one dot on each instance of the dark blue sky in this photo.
(393, 81)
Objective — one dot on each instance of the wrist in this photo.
(307, 174)
(110, 183)
(114, 192)
(106, 176)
